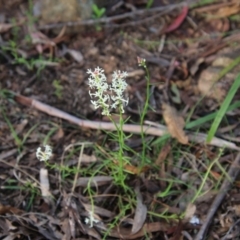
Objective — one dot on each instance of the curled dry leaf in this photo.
(135, 170)
(165, 150)
(76, 55)
(58, 135)
(190, 211)
(226, 220)
(45, 186)
(20, 127)
(212, 83)
(236, 209)
(140, 214)
(4, 209)
(72, 224)
(175, 123)
(208, 85)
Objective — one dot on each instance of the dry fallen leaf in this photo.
(175, 123)
(208, 86)
(190, 211)
(4, 209)
(44, 185)
(226, 220)
(210, 83)
(140, 214)
(72, 224)
(58, 135)
(165, 150)
(227, 11)
(76, 55)
(236, 209)
(135, 170)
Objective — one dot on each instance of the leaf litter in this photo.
(78, 198)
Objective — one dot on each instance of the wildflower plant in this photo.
(108, 97)
(44, 155)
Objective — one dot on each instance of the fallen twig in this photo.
(160, 130)
(232, 173)
(107, 20)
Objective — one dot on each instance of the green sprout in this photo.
(149, 4)
(97, 12)
(58, 88)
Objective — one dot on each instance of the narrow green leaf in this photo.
(200, 121)
(223, 109)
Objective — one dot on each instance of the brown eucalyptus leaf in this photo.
(140, 214)
(76, 55)
(4, 209)
(72, 224)
(175, 123)
(190, 211)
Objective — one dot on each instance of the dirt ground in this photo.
(182, 188)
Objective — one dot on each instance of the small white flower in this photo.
(98, 83)
(89, 221)
(141, 62)
(194, 220)
(44, 155)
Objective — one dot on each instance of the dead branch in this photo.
(160, 130)
(108, 20)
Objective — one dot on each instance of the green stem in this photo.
(143, 114)
(121, 142)
(119, 128)
(206, 176)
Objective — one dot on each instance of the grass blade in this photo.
(223, 109)
(200, 121)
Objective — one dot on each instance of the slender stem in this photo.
(144, 112)
(121, 143)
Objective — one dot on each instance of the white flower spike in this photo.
(44, 155)
(119, 85)
(98, 82)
